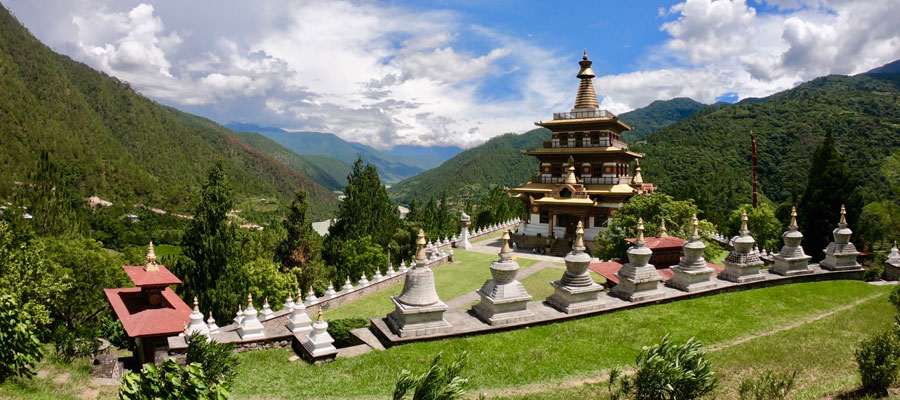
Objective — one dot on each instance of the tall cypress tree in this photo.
(302, 247)
(829, 185)
(208, 245)
(366, 209)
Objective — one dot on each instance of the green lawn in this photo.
(57, 381)
(163, 250)
(544, 355)
(774, 325)
(451, 280)
(538, 284)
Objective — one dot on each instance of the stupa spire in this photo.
(570, 177)
(662, 228)
(639, 242)
(744, 230)
(793, 226)
(587, 97)
(843, 221)
(151, 259)
(579, 237)
(420, 251)
(637, 179)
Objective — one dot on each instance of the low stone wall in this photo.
(478, 234)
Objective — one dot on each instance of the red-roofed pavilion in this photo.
(151, 311)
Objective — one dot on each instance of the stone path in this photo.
(463, 302)
(604, 376)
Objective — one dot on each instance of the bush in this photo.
(769, 386)
(111, 329)
(671, 371)
(169, 381)
(217, 359)
(878, 358)
(873, 274)
(20, 349)
(895, 297)
(70, 344)
(339, 329)
(439, 382)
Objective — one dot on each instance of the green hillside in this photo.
(335, 169)
(118, 144)
(500, 161)
(707, 156)
(658, 115)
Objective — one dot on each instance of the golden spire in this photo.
(196, 304)
(319, 319)
(694, 226)
(640, 236)
(793, 225)
(249, 301)
(744, 223)
(662, 228)
(843, 222)
(637, 173)
(151, 259)
(420, 252)
(586, 98)
(579, 235)
(505, 249)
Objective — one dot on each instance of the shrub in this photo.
(217, 359)
(339, 329)
(671, 371)
(768, 386)
(878, 358)
(111, 329)
(873, 274)
(895, 297)
(70, 344)
(439, 382)
(20, 349)
(169, 381)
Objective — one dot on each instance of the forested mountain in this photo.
(707, 156)
(500, 161)
(658, 115)
(393, 166)
(115, 143)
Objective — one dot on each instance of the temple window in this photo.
(545, 217)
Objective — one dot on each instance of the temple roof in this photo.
(140, 319)
(141, 276)
(656, 243)
(587, 97)
(589, 189)
(582, 150)
(565, 201)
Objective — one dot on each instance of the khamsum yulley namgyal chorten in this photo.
(586, 171)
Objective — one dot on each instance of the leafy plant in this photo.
(768, 386)
(439, 382)
(339, 329)
(669, 371)
(20, 349)
(878, 358)
(216, 359)
(73, 343)
(170, 381)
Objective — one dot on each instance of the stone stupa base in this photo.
(577, 299)
(503, 311)
(635, 291)
(840, 262)
(891, 272)
(791, 266)
(741, 273)
(412, 321)
(691, 280)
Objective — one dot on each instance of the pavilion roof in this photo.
(654, 243)
(582, 150)
(141, 319)
(141, 277)
(608, 270)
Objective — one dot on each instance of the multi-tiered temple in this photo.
(586, 171)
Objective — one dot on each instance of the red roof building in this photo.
(666, 249)
(151, 311)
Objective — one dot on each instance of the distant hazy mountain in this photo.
(889, 68)
(393, 166)
(117, 144)
(500, 161)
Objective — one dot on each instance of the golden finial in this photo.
(843, 221)
(249, 301)
(640, 229)
(319, 319)
(793, 224)
(151, 259)
(505, 249)
(637, 178)
(420, 252)
(584, 57)
(744, 222)
(662, 228)
(694, 226)
(579, 235)
(300, 294)
(196, 304)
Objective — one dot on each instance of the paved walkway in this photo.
(492, 246)
(463, 302)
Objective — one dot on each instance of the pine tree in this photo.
(301, 249)
(828, 186)
(208, 245)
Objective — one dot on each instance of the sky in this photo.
(455, 73)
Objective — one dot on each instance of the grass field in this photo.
(810, 327)
(538, 284)
(451, 280)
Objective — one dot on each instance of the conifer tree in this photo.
(829, 185)
(208, 245)
(301, 249)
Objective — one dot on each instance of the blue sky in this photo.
(456, 72)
